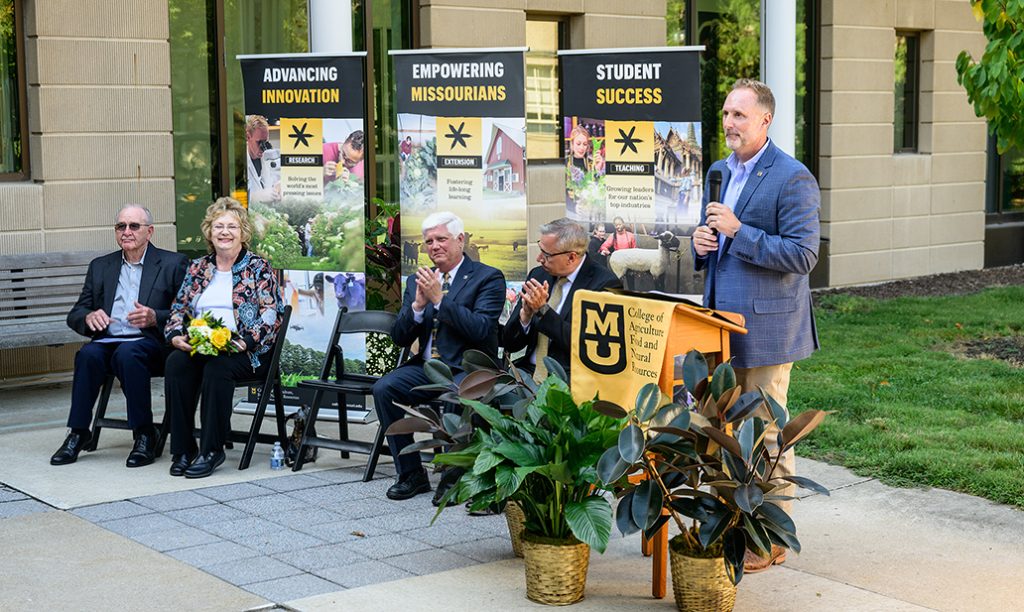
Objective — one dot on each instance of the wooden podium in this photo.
(689, 326)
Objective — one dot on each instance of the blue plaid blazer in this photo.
(762, 273)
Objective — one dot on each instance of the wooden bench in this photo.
(37, 290)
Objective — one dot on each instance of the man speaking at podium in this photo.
(758, 245)
(542, 320)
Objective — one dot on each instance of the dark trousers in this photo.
(397, 386)
(189, 379)
(133, 363)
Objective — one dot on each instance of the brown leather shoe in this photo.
(753, 563)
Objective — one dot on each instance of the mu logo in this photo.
(602, 347)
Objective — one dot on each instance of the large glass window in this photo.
(12, 152)
(544, 36)
(906, 91)
(730, 30)
(1009, 180)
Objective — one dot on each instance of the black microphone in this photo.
(714, 189)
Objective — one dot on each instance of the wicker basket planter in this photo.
(556, 574)
(701, 585)
(516, 519)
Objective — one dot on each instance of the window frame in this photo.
(19, 46)
(563, 44)
(912, 110)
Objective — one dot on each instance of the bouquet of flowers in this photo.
(209, 336)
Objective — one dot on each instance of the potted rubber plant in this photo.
(702, 462)
(541, 452)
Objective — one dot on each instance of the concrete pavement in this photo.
(95, 535)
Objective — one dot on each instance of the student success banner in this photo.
(304, 158)
(634, 172)
(462, 148)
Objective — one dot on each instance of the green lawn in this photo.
(908, 411)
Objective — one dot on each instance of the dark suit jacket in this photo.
(468, 315)
(557, 327)
(162, 273)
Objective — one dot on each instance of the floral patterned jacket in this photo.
(256, 295)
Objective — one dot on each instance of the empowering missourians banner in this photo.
(304, 156)
(634, 173)
(462, 148)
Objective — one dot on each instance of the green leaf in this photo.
(486, 461)
(590, 521)
(641, 508)
(631, 444)
(745, 437)
(438, 372)
(609, 409)
(647, 401)
(777, 516)
(521, 454)
(473, 360)
(778, 412)
(724, 440)
(748, 497)
(758, 534)
(555, 368)
(713, 527)
(611, 467)
(695, 369)
(723, 380)
(801, 427)
(734, 547)
(507, 481)
(807, 483)
(477, 384)
(745, 406)
(624, 515)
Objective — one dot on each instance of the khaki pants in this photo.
(775, 381)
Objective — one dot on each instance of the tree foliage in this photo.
(995, 83)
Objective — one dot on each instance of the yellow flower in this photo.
(220, 337)
(198, 323)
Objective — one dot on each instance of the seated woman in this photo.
(241, 289)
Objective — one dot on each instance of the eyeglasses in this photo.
(548, 256)
(120, 227)
(222, 228)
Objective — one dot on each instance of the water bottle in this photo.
(277, 457)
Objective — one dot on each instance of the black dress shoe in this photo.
(205, 464)
(409, 486)
(68, 451)
(143, 451)
(179, 463)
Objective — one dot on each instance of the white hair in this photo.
(449, 220)
(149, 215)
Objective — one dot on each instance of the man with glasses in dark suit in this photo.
(123, 308)
(542, 320)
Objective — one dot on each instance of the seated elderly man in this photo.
(542, 320)
(448, 308)
(123, 307)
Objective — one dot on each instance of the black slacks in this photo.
(211, 381)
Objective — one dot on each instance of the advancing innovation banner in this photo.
(304, 154)
(634, 173)
(462, 148)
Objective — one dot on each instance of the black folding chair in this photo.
(344, 384)
(268, 385)
(100, 420)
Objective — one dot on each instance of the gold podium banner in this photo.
(622, 340)
(619, 344)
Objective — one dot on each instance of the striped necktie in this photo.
(445, 286)
(541, 371)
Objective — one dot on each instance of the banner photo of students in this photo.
(304, 134)
(462, 148)
(634, 169)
